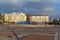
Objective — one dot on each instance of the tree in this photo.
(28, 18)
(0, 16)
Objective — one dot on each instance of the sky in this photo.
(49, 7)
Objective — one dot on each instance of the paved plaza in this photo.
(22, 31)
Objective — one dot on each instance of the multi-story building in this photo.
(15, 17)
(39, 18)
(21, 17)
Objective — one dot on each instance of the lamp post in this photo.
(58, 20)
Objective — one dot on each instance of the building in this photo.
(21, 17)
(39, 18)
(15, 17)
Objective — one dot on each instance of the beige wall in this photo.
(16, 17)
(39, 18)
(19, 17)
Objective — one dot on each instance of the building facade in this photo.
(15, 17)
(21, 17)
(39, 18)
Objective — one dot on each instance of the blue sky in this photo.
(50, 7)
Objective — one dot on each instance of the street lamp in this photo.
(58, 19)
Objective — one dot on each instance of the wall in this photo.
(15, 17)
(39, 18)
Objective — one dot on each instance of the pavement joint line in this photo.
(24, 34)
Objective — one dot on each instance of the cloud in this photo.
(51, 1)
(9, 1)
(48, 9)
(12, 2)
(56, 1)
(35, 0)
(34, 6)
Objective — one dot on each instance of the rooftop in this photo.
(37, 15)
